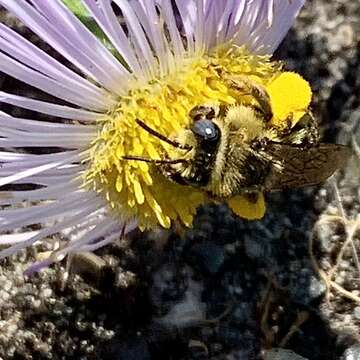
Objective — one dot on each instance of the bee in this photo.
(232, 150)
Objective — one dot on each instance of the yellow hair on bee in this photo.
(244, 117)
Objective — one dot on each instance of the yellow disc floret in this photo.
(135, 189)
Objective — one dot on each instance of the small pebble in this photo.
(282, 354)
(352, 353)
(357, 312)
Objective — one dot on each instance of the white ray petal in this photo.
(29, 54)
(137, 35)
(42, 82)
(267, 39)
(176, 41)
(62, 142)
(132, 225)
(83, 212)
(104, 15)
(54, 192)
(187, 10)
(89, 61)
(153, 26)
(104, 227)
(262, 25)
(43, 213)
(10, 239)
(45, 127)
(73, 156)
(28, 160)
(113, 73)
(61, 111)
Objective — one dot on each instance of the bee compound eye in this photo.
(206, 129)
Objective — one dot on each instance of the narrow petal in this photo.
(39, 214)
(73, 156)
(187, 12)
(267, 40)
(137, 35)
(104, 15)
(69, 222)
(45, 127)
(53, 192)
(57, 26)
(9, 239)
(21, 72)
(30, 55)
(44, 107)
(259, 25)
(263, 24)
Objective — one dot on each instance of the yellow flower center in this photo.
(136, 189)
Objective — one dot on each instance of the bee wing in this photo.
(294, 166)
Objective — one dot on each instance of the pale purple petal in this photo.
(30, 55)
(61, 111)
(38, 214)
(137, 35)
(260, 25)
(146, 13)
(9, 239)
(54, 192)
(263, 24)
(267, 40)
(21, 72)
(65, 33)
(104, 15)
(73, 156)
(169, 17)
(46, 128)
(187, 11)
(82, 212)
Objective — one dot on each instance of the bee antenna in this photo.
(162, 137)
(155, 161)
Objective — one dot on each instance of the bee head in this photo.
(206, 131)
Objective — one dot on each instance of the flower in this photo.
(165, 57)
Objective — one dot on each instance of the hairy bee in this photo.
(232, 150)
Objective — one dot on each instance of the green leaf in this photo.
(77, 7)
(80, 11)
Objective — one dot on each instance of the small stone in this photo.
(282, 354)
(352, 353)
(47, 293)
(306, 287)
(325, 231)
(357, 312)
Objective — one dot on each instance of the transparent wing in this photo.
(294, 166)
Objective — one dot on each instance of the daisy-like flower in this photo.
(166, 56)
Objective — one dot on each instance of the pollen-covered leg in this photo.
(246, 86)
(306, 131)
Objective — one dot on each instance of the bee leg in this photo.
(310, 129)
(288, 125)
(248, 87)
(172, 174)
(252, 193)
(305, 133)
(252, 196)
